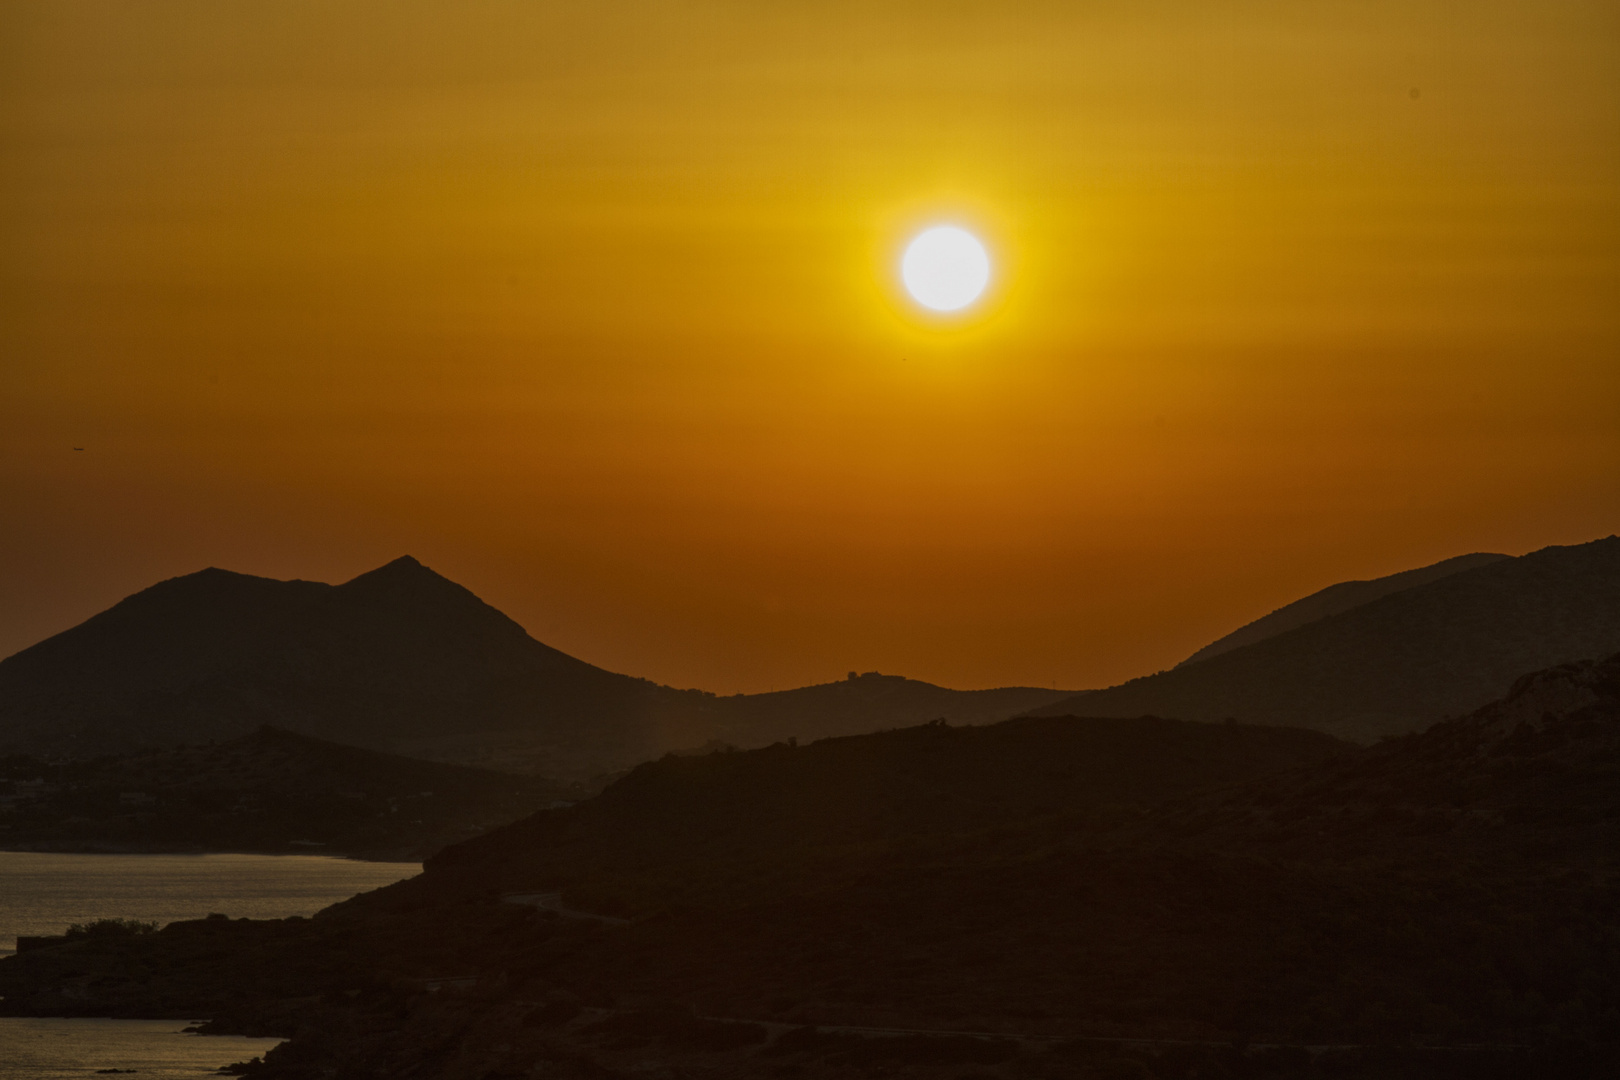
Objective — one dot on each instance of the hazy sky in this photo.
(593, 308)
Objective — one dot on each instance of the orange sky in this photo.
(592, 308)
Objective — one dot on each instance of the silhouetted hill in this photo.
(1336, 598)
(1534, 775)
(870, 701)
(704, 815)
(271, 791)
(1400, 662)
(1454, 886)
(395, 655)
(1446, 904)
(398, 659)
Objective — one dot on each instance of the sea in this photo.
(44, 893)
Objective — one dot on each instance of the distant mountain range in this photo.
(1395, 661)
(401, 659)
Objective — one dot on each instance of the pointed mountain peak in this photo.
(405, 564)
(208, 573)
(407, 581)
(402, 569)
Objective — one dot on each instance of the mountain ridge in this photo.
(379, 657)
(1402, 661)
(401, 659)
(1336, 598)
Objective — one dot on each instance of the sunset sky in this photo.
(595, 308)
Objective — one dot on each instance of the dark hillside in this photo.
(854, 706)
(396, 654)
(404, 660)
(105, 682)
(703, 816)
(1461, 885)
(1535, 776)
(1336, 598)
(1401, 662)
(271, 791)
(1443, 905)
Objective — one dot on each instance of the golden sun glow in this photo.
(945, 268)
(609, 318)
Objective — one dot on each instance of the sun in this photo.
(945, 268)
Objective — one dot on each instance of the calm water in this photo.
(43, 894)
(46, 1049)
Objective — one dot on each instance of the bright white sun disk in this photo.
(945, 268)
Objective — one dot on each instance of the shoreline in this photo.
(11, 847)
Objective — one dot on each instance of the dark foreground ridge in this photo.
(272, 791)
(1049, 898)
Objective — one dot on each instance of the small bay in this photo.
(48, 1048)
(44, 893)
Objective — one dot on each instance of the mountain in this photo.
(1532, 776)
(1402, 661)
(1167, 899)
(395, 655)
(403, 660)
(1336, 598)
(688, 821)
(270, 791)
(869, 701)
